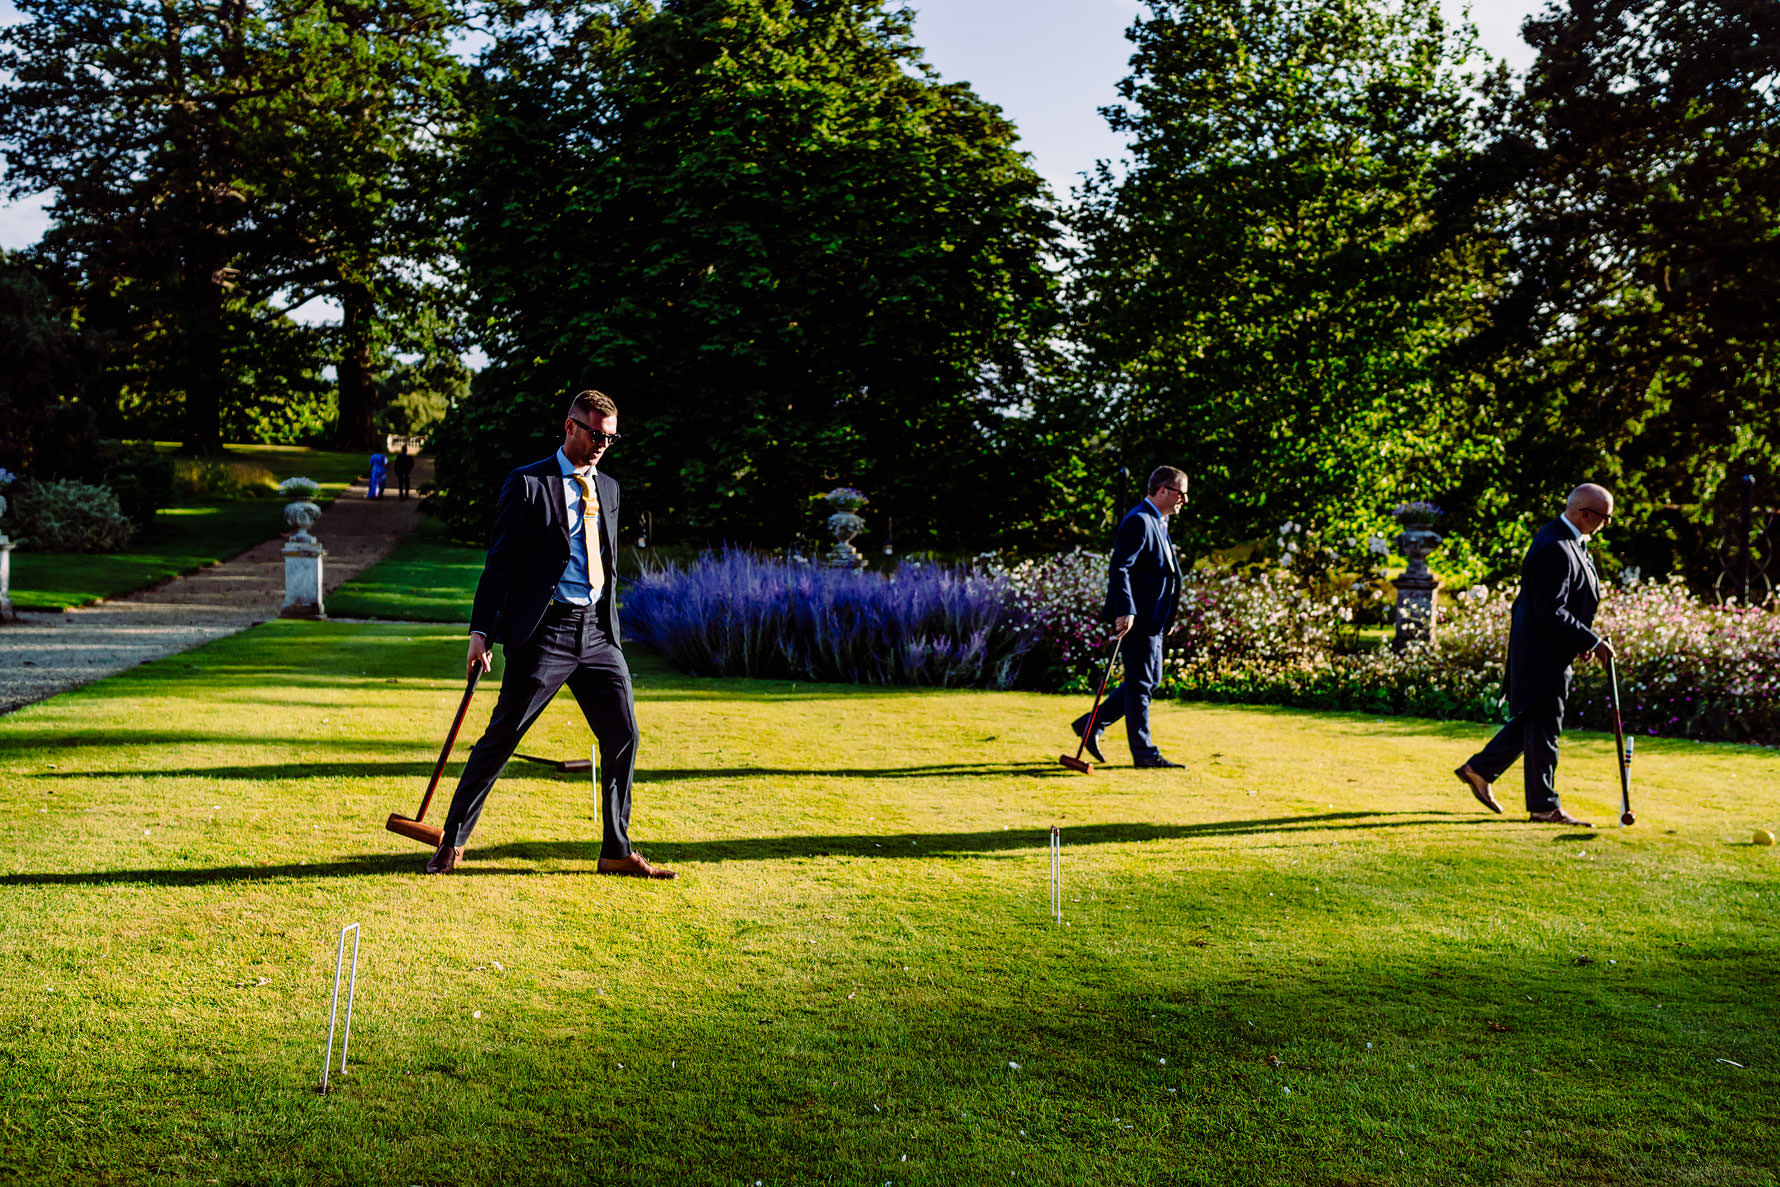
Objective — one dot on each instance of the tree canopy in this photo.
(791, 255)
(1634, 186)
(1348, 264)
(214, 163)
(1267, 291)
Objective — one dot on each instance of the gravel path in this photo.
(45, 653)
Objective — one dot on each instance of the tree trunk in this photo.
(204, 348)
(358, 386)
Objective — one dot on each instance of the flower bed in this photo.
(1686, 668)
(735, 614)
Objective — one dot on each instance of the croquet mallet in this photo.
(1626, 819)
(414, 828)
(566, 765)
(1077, 762)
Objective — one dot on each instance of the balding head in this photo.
(1589, 497)
(1589, 507)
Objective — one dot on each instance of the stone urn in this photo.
(845, 525)
(1417, 542)
(302, 511)
(1417, 589)
(303, 553)
(301, 515)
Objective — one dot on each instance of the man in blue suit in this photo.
(1142, 594)
(547, 595)
(1551, 628)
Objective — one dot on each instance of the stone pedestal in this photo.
(7, 614)
(1418, 610)
(302, 580)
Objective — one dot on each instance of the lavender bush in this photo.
(735, 614)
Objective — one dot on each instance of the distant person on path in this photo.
(378, 464)
(1551, 629)
(548, 596)
(404, 468)
(1142, 592)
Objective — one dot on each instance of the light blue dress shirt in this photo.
(574, 587)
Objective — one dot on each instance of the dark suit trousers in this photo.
(1532, 733)
(1142, 657)
(570, 646)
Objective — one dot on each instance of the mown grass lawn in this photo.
(187, 535)
(1308, 958)
(426, 578)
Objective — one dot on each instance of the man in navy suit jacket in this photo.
(1552, 628)
(1142, 594)
(547, 596)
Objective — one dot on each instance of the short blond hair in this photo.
(598, 403)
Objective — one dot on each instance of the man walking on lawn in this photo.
(547, 595)
(1142, 592)
(1551, 628)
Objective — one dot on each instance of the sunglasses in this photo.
(600, 439)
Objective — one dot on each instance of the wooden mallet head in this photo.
(415, 829)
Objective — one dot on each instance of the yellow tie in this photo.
(590, 513)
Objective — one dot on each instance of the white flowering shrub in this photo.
(1062, 596)
(1686, 668)
(1271, 618)
(68, 516)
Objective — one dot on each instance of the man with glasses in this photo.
(547, 595)
(1550, 630)
(1142, 594)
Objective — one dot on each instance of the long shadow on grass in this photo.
(420, 770)
(918, 846)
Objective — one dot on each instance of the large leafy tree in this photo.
(363, 98)
(1635, 182)
(133, 112)
(791, 255)
(217, 162)
(1265, 294)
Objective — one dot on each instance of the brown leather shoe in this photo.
(1557, 816)
(633, 865)
(448, 858)
(1480, 787)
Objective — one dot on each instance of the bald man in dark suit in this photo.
(1551, 629)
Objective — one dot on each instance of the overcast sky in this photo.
(1049, 64)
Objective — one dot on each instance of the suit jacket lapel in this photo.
(1588, 566)
(558, 486)
(608, 526)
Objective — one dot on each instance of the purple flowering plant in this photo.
(732, 613)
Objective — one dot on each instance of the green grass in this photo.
(190, 534)
(858, 951)
(427, 578)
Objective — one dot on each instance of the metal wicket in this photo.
(1056, 875)
(334, 1010)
